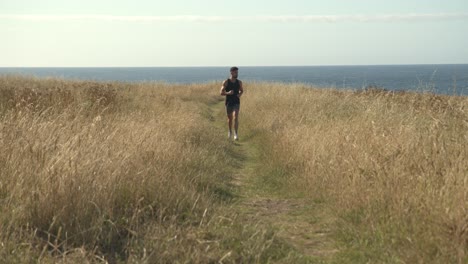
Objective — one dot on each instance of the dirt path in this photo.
(299, 221)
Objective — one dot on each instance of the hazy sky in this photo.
(223, 33)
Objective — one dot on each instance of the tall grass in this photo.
(117, 172)
(392, 167)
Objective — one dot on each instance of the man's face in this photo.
(234, 74)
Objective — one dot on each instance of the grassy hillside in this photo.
(392, 168)
(117, 172)
(131, 173)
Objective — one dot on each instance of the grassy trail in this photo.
(302, 223)
(144, 173)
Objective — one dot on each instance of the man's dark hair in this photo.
(234, 69)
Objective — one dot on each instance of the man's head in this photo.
(234, 72)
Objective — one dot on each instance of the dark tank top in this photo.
(232, 99)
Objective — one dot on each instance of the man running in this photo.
(233, 90)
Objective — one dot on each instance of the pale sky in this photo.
(124, 33)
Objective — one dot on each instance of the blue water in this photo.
(443, 79)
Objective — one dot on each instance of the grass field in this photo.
(392, 167)
(144, 173)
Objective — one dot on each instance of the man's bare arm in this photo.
(223, 90)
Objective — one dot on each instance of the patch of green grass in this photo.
(377, 239)
(270, 177)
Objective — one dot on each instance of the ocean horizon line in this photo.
(246, 66)
(441, 78)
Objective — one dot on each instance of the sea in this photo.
(451, 79)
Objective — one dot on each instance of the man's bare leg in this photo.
(230, 124)
(236, 123)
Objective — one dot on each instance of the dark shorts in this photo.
(232, 108)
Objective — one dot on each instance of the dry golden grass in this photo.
(95, 172)
(118, 172)
(393, 167)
